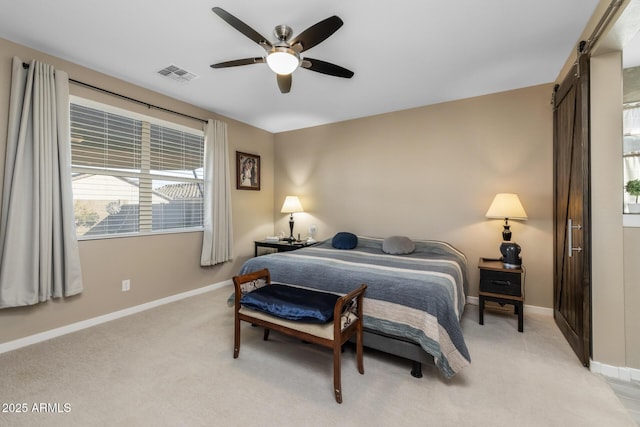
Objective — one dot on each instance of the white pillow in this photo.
(398, 245)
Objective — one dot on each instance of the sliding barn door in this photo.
(572, 242)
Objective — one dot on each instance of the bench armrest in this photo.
(252, 281)
(352, 300)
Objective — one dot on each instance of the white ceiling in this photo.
(405, 53)
(631, 53)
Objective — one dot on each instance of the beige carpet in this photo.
(173, 366)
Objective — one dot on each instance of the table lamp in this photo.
(507, 206)
(291, 205)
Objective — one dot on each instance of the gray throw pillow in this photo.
(398, 245)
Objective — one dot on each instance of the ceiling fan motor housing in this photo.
(283, 32)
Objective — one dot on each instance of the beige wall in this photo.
(607, 289)
(158, 266)
(632, 297)
(616, 273)
(431, 173)
(631, 236)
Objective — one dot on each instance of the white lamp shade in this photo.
(291, 205)
(506, 205)
(282, 62)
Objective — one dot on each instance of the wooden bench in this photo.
(345, 323)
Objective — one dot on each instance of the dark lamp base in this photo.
(510, 254)
(506, 233)
(291, 239)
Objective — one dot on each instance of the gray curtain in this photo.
(39, 257)
(217, 241)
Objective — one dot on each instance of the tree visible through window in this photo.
(631, 155)
(132, 175)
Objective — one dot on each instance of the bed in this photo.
(413, 303)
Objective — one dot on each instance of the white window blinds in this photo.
(132, 175)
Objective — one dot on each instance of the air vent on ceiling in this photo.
(178, 74)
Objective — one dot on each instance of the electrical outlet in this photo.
(126, 285)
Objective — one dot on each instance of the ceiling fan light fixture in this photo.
(283, 56)
(283, 60)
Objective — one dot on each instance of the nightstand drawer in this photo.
(500, 282)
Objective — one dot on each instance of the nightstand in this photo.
(279, 246)
(501, 285)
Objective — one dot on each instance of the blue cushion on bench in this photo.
(290, 302)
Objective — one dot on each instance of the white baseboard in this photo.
(533, 309)
(53, 333)
(617, 372)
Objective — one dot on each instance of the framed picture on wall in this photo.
(247, 171)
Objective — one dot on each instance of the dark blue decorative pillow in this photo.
(290, 302)
(344, 240)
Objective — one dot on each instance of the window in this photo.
(133, 174)
(631, 155)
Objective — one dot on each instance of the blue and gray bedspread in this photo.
(418, 297)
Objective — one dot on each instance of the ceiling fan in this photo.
(283, 56)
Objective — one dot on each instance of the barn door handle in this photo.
(570, 228)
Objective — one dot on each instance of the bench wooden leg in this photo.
(265, 336)
(359, 351)
(236, 337)
(337, 383)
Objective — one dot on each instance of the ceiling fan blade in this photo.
(326, 68)
(316, 34)
(242, 27)
(284, 82)
(237, 62)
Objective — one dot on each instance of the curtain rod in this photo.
(137, 101)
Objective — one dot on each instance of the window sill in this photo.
(154, 233)
(631, 220)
